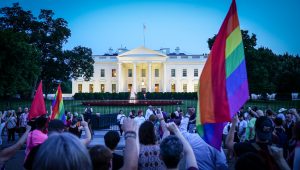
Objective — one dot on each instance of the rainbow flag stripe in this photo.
(223, 84)
(58, 110)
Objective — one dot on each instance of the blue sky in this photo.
(100, 24)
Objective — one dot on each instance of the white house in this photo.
(143, 70)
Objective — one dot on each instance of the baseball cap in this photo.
(264, 128)
(282, 110)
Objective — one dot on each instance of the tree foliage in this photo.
(48, 34)
(19, 64)
(268, 72)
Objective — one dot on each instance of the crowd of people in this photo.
(159, 140)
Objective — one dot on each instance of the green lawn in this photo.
(75, 106)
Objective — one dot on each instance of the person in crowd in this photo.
(74, 129)
(296, 164)
(101, 157)
(289, 124)
(250, 161)
(23, 119)
(173, 147)
(37, 136)
(2, 125)
(120, 118)
(207, 157)
(131, 149)
(250, 132)
(242, 128)
(11, 125)
(111, 140)
(140, 118)
(270, 114)
(264, 129)
(88, 111)
(281, 136)
(18, 114)
(149, 150)
(9, 152)
(62, 151)
(149, 112)
(192, 119)
(281, 113)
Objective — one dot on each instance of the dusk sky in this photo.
(101, 24)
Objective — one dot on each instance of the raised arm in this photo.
(163, 124)
(230, 137)
(7, 153)
(131, 146)
(88, 138)
(188, 151)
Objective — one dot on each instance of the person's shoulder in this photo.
(242, 147)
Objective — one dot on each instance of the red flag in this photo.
(38, 107)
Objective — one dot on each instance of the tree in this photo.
(18, 64)
(48, 34)
(268, 72)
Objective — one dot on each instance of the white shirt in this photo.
(139, 120)
(149, 112)
(242, 126)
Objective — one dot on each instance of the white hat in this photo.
(282, 110)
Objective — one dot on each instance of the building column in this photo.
(119, 77)
(165, 78)
(149, 77)
(134, 78)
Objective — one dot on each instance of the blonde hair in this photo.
(62, 151)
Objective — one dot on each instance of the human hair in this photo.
(278, 121)
(171, 151)
(56, 125)
(250, 161)
(152, 118)
(101, 157)
(111, 139)
(146, 133)
(62, 151)
(40, 122)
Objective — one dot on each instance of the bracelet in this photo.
(130, 134)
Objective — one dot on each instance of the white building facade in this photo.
(143, 70)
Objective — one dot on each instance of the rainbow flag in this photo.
(58, 110)
(223, 84)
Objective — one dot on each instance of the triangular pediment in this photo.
(142, 52)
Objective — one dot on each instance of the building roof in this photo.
(142, 51)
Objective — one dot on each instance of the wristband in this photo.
(161, 119)
(130, 134)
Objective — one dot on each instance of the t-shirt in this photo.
(242, 126)
(139, 120)
(250, 125)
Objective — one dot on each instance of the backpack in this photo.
(271, 163)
